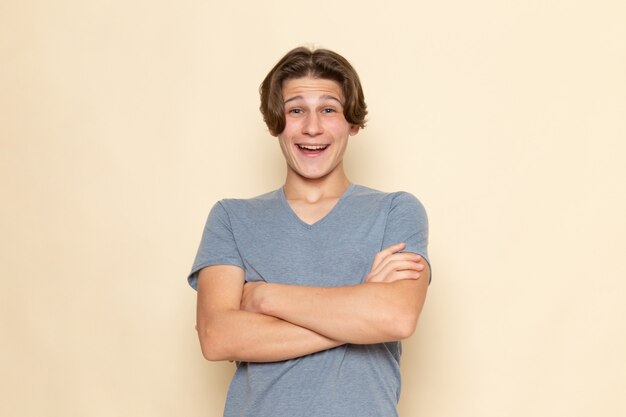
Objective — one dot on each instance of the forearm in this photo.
(227, 332)
(252, 337)
(365, 313)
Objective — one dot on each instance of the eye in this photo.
(295, 110)
(328, 110)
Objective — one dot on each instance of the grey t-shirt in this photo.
(265, 238)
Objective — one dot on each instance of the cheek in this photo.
(340, 127)
(291, 124)
(283, 146)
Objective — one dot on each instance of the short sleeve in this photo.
(218, 245)
(407, 222)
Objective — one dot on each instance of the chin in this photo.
(312, 175)
(315, 173)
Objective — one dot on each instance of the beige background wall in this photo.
(122, 122)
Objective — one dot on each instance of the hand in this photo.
(252, 296)
(390, 265)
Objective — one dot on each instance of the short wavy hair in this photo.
(318, 63)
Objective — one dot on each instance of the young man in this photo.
(311, 287)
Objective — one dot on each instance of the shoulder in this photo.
(260, 202)
(393, 200)
(405, 199)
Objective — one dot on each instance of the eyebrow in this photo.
(324, 97)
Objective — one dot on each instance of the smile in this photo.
(312, 147)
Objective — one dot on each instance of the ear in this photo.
(354, 129)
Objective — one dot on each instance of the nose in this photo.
(312, 124)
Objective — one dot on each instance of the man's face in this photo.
(316, 132)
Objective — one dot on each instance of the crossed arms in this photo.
(261, 322)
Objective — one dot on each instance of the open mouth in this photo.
(312, 149)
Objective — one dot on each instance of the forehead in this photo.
(311, 87)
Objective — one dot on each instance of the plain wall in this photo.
(122, 122)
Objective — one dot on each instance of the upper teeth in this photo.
(312, 147)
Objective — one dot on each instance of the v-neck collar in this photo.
(283, 199)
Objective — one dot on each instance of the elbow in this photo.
(401, 321)
(213, 345)
(212, 354)
(405, 312)
(402, 326)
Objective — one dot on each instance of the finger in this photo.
(393, 267)
(390, 250)
(383, 254)
(403, 256)
(400, 266)
(402, 275)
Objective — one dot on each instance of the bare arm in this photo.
(228, 333)
(385, 308)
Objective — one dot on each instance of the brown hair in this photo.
(318, 63)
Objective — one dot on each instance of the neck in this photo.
(313, 190)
